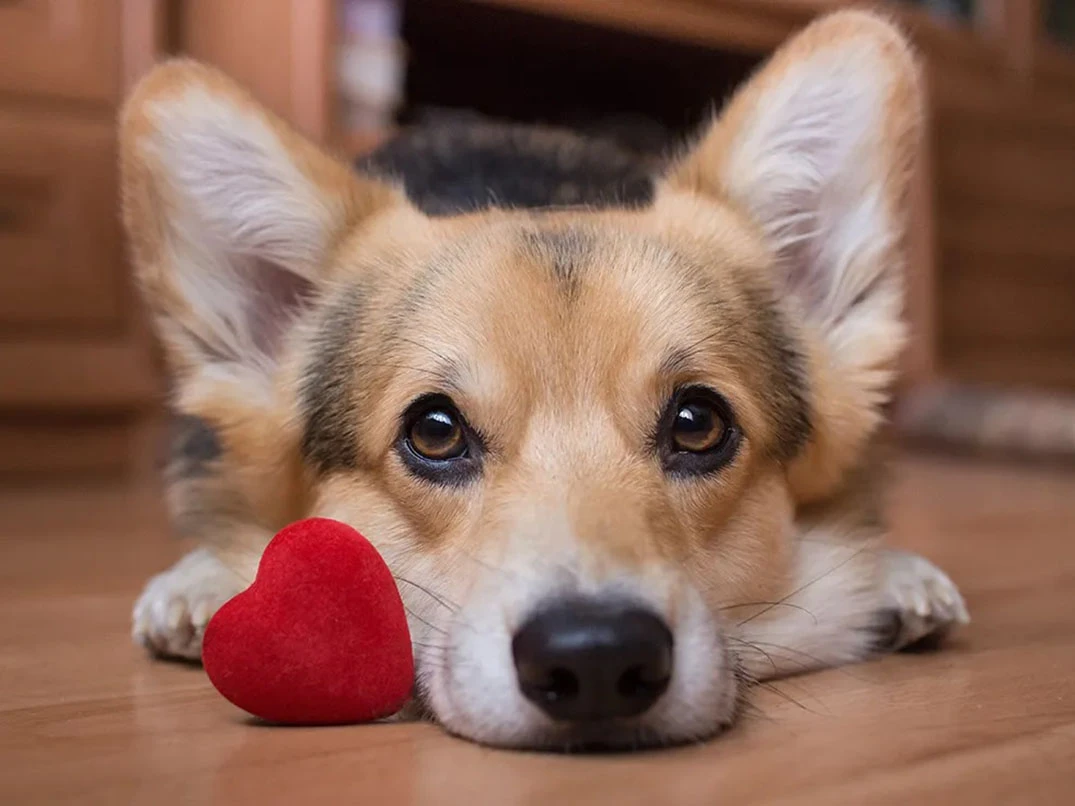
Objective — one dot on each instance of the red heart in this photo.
(320, 637)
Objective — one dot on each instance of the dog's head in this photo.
(577, 435)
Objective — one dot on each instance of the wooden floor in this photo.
(85, 717)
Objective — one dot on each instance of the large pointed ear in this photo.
(232, 217)
(817, 150)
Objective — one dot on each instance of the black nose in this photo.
(589, 660)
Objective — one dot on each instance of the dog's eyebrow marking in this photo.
(563, 250)
(675, 363)
(424, 282)
(788, 380)
(326, 390)
(449, 377)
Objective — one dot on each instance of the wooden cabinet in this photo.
(59, 232)
(68, 49)
(77, 379)
(281, 50)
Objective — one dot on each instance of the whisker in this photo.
(784, 653)
(496, 569)
(747, 708)
(433, 627)
(771, 605)
(784, 695)
(805, 692)
(815, 662)
(425, 645)
(450, 606)
(803, 587)
(785, 649)
(821, 541)
(759, 650)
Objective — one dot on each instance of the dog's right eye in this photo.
(437, 434)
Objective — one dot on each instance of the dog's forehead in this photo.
(567, 304)
(537, 281)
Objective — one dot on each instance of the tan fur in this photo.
(566, 381)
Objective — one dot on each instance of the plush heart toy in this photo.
(319, 638)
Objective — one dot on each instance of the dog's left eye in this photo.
(697, 426)
(698, 432)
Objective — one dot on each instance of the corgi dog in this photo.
(612, 427)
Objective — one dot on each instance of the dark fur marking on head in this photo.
(788, 380)
(326, 393)
(463, 167)
(422, 286)
(194, 446)
(564, 251)
(201, 500)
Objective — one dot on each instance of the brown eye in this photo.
(437, 434)
(697, 434)
(697, 427)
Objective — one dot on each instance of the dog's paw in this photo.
(921, 602)
(170, 616)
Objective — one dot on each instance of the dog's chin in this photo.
(597, 737)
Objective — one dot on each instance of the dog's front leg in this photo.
(848, 600)
(170, 616)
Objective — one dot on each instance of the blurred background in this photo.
(992, 276)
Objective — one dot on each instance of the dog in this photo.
(613, 427)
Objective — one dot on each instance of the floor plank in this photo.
(84, 717)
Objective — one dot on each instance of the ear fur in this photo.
(232, 217)
(817, 150)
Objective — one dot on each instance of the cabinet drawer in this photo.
(60, 259)
(30, 449)
(62, 48)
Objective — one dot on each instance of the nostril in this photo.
(560, 685)
(642, 683)
(563, 684)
